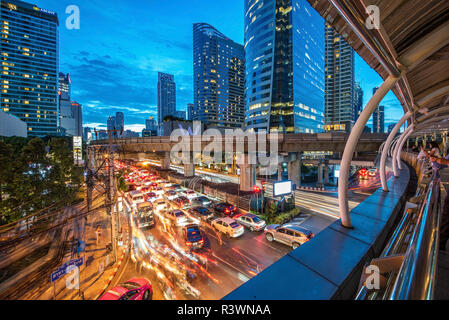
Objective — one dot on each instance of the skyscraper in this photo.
(166, 96)
(190, 111)
(111, 123)
(70, 112)
(378, 117)
(358, 92)
(284, 46)
(119, 121)
(340, 107)
(29, 54)
(151, 128)
(219, 78)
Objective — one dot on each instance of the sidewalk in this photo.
(98, 268)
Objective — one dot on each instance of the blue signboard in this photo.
(62, 269)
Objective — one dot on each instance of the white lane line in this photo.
(270, 246)
(227, 263)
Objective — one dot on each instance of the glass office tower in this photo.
(29, 71)
(284, 46)
(219, 78)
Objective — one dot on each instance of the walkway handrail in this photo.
(416, 278)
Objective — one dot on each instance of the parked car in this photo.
(193, 237)
(251, 221)
(202, 213)
(228, 227)
(181, 202)
(177, 187)
(170, 194)
(201, 201)
(177, 217)
(224, 209)
(133, 289)
(189, 194)
(288, 234)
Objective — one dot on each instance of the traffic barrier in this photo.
(117, 267)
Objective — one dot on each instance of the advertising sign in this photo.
(282, 188)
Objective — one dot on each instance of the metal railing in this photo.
(416, 240)
(416, 278)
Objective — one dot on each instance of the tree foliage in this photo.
(34, 174)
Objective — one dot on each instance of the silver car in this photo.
(251, 221)
(288, 234)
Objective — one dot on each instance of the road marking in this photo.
(269, 245)
(225, 262)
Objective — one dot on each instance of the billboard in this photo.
(77, 150)
(282, 188)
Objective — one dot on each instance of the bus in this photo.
(145, 215)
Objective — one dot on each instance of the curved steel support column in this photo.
(351, 146)
(383, 159)
(392, 146)
(398, 156)
(398, 148)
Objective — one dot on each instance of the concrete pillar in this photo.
(189, 170)
(280, 169)
(294, 172)
(326, 173)
(247, 173)
(320, 175)
(165, 162)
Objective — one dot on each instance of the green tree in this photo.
(271, 211)
(121, 183)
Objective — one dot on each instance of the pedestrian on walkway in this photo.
(98, 233)
(444, 225)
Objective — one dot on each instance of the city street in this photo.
(223, 264)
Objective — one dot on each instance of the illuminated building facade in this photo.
(29, 70)
(219, 78)
(284, 46)
(340, 96)
(166, 96)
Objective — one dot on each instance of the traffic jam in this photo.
(191, 246)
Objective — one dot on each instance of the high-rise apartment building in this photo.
(284, 46)
(358, 98)
(340, 107)
(378, 117)
(166, 96)
(29, 55)
(219, 78)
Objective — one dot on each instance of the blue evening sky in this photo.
(114, 57)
